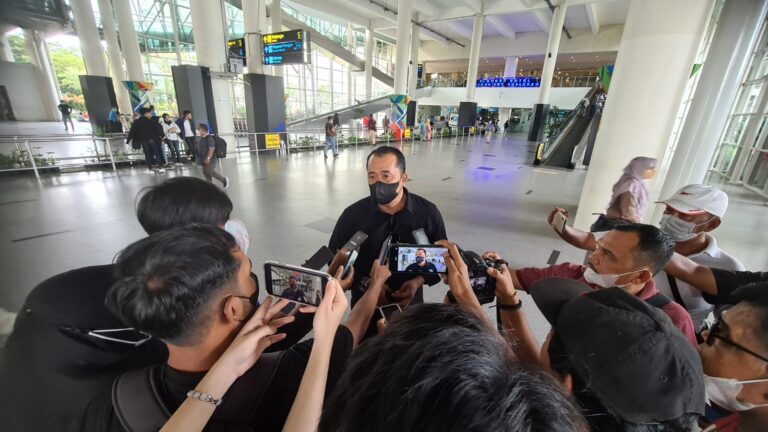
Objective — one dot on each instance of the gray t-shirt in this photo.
(203, 144)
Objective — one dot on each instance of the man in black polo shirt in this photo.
(421, 265)
(389, 210)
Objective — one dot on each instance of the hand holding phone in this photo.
(558, 221)
(298, 284)
(349, 264)
(388, 311)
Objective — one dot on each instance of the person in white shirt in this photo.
(690, 215)
(171, 132)
(187, 132)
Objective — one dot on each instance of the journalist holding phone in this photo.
(391, 210)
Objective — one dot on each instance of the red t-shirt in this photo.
(725, 424)
(679, 316)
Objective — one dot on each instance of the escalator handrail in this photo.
(554, 140)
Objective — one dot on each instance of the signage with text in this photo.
(509, 82)
(288, 47)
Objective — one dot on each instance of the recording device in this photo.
(423, 259)
(558, 222)
(387, 311)
(356, 241)
(298, 284)
(350, 262)
(384, 252)
(322, 257)
(483, 285)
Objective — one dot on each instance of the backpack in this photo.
(138, 402)
(221, 147)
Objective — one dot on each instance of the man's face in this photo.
(202, 132)
(246, 286)
(292, 282)
(148, 114)
(421, 254)
(614, 255)
(721, 359)
(384, 169)
(188, 116)
(704, 221)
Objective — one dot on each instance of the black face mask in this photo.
(167, 122)
(383, 193)
(254, 301)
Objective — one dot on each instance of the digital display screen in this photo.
(296, 286)
(420, 259)
(288, 47)
(509, 82)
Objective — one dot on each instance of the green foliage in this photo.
(68, 64)
(20, 159)
(19, 49)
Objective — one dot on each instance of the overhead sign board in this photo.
(509, 82)
(288, 47)
(236, 54)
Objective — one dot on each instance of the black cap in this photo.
(637, 363)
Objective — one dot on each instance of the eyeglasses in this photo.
(715, 333)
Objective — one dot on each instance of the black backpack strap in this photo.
(659, 300)
(136, 400)
(675, 291)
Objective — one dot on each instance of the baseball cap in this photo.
(697, 198)
(637, 363)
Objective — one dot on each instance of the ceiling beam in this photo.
(477, 8)
(338, 16)
(459, 28)
(593, 17)
(543, 18)
(501, 26)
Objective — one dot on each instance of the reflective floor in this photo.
(490, 197)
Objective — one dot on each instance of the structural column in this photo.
(90, 41)
(368, 63)
(45, 77)
(403, 48)
(276, 24)
(727, 58)
(653, 65)
(413, 74)
(115, 58)
(211, 48)
(129, 40)
(474, 55)
(253, 18)
(510, 67)
(541, 109)
(6, 54)
(350, 77)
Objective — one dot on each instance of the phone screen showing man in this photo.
(421, 259)
(296, 286)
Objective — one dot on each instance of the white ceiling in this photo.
(453, 18)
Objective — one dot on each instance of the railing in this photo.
(315, 24)
(576, 81)
(325, 108)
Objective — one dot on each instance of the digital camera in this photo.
(483, 285)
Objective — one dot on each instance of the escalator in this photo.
(571, 143)
(346, 114)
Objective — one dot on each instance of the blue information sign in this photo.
(289, 47)
(509, 82)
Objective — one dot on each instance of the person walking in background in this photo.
(66, 115)
(428, 127)
(385, 124)
(330, 138)
(206, 155)
(171, 131)
(114, 121)
(187, 133)
(630, 195)
(372, 129)
(147, 135)
(489, 130)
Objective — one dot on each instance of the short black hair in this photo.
(330, 118)
(387, 150)
(204, 127)
(167, 281)
(144, 110)
(181, 201)
(165, 115)
(186, 112)
(439, 367)
(654, 249)
(756, 296)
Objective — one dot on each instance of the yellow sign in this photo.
(272, 38)
(407, 133)
(272, 141)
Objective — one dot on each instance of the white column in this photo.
(350, 78)
(6, 54)
(553, 45)
(211, 48)
(474, 55)
(90, 41)
(737, 31)
(510, 67)
(414, 70)
(368, 63)
(48, 93)
(402, 49)
(115, 58)
(252, 25)
(653, 65)
(276, 23)
(129, 40)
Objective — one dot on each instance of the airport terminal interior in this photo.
(633, 117)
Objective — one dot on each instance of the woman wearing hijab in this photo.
(630, 195)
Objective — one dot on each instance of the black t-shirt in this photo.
(728, 281)
(99, 414)
(51, 365)
(428, 267)
(365, 216)
(65, 109)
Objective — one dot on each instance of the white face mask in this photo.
(723, 392)
(604, 280)
(678, 229)
(237, 228)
